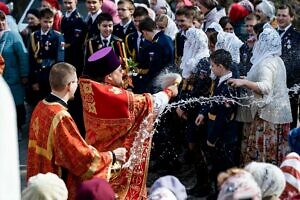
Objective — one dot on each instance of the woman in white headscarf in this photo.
(227, 41)
(161, 7)
(265, 12)
(166, 24)
(266, 136)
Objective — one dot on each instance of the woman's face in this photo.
(2, 24)
(32, 20)
(228, 28)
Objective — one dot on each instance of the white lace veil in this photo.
(171, 28)
(268, 44)
(227, 41)
(195, 48)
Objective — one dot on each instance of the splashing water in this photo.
(143, 134)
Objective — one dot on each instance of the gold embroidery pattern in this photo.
(88, 98)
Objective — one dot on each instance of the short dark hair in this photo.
(224, 20)
(147, 24)
(127, 1)
(222, 57)
(187, 11)
(59, 75)
(2, 15)
(286, 6)
(213, 37)
(104, 17)
(46, 13)
(259, 28)
(140, 11)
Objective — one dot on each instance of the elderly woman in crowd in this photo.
(16, 68)
(238, 184)
(265, 12)
(33, 19)
(265, 137)
(166, 24)
(269, 178)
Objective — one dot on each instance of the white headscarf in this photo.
(269, 178)
(267, 8)
(45, 186)
(267, 45)
(240, 186)
(227, 41)
(195, 48)
(163, 4)
(171, 28)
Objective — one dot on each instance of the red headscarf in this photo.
(4, 8)
(54, 4)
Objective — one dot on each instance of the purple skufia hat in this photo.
(95, 189)
(102, 63)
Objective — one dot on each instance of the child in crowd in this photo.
(221, 127)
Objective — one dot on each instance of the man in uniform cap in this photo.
(113, 117)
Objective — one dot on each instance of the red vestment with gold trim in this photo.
(112, 117)
(55, 144)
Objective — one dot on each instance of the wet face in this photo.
(261, 17)
(46, 24)
(69, 5)
(106, 28)
(2, 24)
(32, 20)
(45, 4)
(283, 18)
(125, 11)
(137, 21)
(216, 69)
(116, 77)
(162, 25)
(249, 26)
(93, 5)
(183, 22)
(228, 28)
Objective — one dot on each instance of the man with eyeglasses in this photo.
(55, 144)
(126, 26)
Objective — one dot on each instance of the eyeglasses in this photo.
(76, 81)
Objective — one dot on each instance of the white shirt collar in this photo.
(94, 16)
(59, 98)
(44, 33)
(68, 14)
(103, 38)
(285, 29)
(225, 77)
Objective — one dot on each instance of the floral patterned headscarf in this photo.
(240, 185)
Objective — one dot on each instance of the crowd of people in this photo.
(235, 125)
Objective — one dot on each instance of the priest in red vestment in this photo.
(55, 144)
(113, 117)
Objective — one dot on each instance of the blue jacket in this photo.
(16, 64)
(44, 51)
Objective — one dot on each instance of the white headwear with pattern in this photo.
(267, 7)
(269, 178)
(227, 41)
(195, 48)
(45, 186)
(267, 45)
